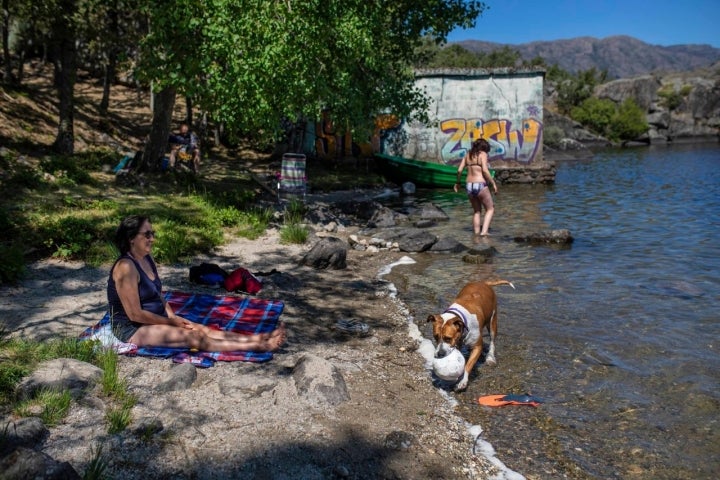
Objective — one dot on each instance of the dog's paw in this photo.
(491, 361)
(462, 384)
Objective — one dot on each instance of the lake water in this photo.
(619, 333)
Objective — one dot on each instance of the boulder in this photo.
(25, 432)
(60, 374)
(644, 90)
(329, 252)
(408, 239)
(25, 463)
(319, 381)
(448, 245)
(562, 237)
(179, 377)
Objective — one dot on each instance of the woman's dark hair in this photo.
(479, 145)
(126, 231)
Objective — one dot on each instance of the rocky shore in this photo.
(328, 405)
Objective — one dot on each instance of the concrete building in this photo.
(504, 106)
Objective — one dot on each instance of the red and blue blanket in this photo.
(243, 315)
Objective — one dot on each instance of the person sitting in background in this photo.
(140, 314)
(185, 147)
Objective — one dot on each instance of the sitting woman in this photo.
(140, 314)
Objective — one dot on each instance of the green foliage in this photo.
(573, 90)
(253, 64)
(20, 357)
(107, 359)
(503, 57)
(294, 233)
(115, 389)
(11, 373)
(629, 122)
(671, 98)
(22, 176)
(12, 262)
(453, 56)
(295, 211)
(430, 55)
(618, 123)
(67, 170)
(552, 135)
(555, 74)
(238, 198)
(98, 465)
(52, 405)
(254, 222)
(117, 419)
(595, 114)
(69, 235)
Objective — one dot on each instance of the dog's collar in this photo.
(462, 313)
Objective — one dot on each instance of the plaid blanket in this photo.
(237, 314)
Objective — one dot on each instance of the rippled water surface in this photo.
(619, 333)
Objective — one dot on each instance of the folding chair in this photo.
(292, 175)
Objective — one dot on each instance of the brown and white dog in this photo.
(462, 323)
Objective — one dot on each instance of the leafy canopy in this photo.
(253, 63)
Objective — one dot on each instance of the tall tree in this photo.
(253, 63)
(8, 75)
(65, 63)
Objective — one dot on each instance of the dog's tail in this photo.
(494, 283)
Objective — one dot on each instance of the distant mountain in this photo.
(621, 56)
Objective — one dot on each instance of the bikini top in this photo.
(477, 163)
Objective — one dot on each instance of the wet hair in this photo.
(127, 230)
(479, 145)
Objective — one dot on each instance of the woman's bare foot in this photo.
(277, 338)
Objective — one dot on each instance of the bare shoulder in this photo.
(123, 268)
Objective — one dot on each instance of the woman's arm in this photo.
(460, 169)
(486, 171)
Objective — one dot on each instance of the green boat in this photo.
(422, 174)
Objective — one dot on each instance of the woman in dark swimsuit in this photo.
(140, 314)
(477, 181)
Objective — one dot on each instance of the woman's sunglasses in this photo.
(148, 234)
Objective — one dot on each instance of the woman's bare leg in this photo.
(487, 201)
(477, 211)
(200, 339)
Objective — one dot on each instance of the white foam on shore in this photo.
(427, 350)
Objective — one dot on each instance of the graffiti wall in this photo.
(503, 106)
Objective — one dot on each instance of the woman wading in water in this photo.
(477, 181)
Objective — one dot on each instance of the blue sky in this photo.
(658, 22)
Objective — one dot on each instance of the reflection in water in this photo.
(619, 332)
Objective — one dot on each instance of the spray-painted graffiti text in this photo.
(506, 143)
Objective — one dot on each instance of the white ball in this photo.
(450, 367)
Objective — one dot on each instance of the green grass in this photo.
(294, 233)
(63, 207)
(48, 404)
(97, 467)
(20, 357)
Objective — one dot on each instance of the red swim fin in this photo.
(502, 400)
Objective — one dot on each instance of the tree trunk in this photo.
(8, 75)
(164, 102)
(108, 80)
(188, 110)
(110, 67)
(65, 61)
